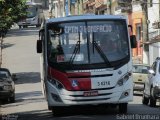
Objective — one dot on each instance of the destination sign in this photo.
(92, 28)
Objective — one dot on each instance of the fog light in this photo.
(56, 97)
(126, 94)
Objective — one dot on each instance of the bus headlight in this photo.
(33, 18)
(7, 87)
(124, 79)
(56, 83)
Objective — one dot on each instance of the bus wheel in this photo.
(20, 26)
(152, 98)
(123, 108)
(25, 26)
(57, 111)
(12, 98)
(152, 102)
(145, 100)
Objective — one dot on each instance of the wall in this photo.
(45, 3)
(136, 20)
(153, 16)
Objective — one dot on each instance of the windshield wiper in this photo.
(76, 50)
(100, 51)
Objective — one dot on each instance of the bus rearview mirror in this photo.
(133, 41)
(39, 46)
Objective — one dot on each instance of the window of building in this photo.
(138, 31)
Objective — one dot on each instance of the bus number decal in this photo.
(103, 83)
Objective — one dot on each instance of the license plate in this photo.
(90, 93)
(139, 79)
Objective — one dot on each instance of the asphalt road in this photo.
(19, 55)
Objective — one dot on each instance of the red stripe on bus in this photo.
(83, 83)
(78, 74)
(60, 76)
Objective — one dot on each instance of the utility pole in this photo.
(82, 12)
(69, 7)
(159, 15)
(110, 7)
(145, 31)
(78, 7)
(66, 7)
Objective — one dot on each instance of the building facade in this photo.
(136, 21)
(99, 6)
(45, 3)
(56, 8)
(154, 29)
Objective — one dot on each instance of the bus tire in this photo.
(20, 26)
(57, 111)
(49, 107)
(152, 98)
(145, 100)
(152, 102)
(25, 26)
(12, 98)
(123, 108)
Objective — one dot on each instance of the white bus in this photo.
(34, 16)
(86, 60)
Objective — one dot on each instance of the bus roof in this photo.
(86, 17)
(33, 3)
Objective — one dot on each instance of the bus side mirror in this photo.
(39, 46)
(39, 41)
(133, 41)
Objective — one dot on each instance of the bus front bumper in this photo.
(94, 97)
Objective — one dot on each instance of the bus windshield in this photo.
(88, 43)
(31, 11)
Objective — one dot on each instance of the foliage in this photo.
(11, 11)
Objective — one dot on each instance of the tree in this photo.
(10, 11)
